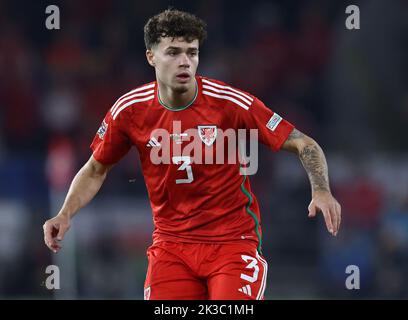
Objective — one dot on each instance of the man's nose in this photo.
(184, 60)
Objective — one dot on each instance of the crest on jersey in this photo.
(207, 134)
(102, 129)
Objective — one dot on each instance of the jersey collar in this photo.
(182, 107)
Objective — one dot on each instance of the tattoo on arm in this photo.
(295, 134)
(291, 143)
(312, 158)
(315, 164)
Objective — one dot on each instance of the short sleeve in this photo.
(111, 142)
(273, 130)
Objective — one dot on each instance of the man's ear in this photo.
(150, 57)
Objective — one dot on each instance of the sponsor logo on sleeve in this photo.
(102, 129)
(274, 122)
(147, 293)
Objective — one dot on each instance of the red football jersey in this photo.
(192, 201)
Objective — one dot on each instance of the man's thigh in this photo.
(241, 275)
(169, 278)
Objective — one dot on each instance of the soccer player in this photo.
(207, 239)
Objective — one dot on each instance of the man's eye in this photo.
(172, 53)
(193, 54)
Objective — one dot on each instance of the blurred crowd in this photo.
(348, 89)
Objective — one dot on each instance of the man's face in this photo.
(175, 61)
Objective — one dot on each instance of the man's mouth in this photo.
(183, 76)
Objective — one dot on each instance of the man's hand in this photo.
(83, 188)
(314, 162)
(323, 201)
(54, 231)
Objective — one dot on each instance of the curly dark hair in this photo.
(174, 23)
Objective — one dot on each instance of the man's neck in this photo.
(176, 100)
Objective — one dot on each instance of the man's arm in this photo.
(84, 187)
(314, 162)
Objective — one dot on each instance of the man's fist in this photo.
(54, 231)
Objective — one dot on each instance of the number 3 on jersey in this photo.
(185, 165)
(253, 264)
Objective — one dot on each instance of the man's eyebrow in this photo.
(173, 48)
(179, 48)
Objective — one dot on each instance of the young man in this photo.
(207, 241)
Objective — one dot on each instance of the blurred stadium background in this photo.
(347, 89)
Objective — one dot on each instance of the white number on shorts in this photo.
(253, 264)
(186, 161)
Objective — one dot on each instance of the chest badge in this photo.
(207, 134)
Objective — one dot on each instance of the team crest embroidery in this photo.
(102, 129)
(207, 134)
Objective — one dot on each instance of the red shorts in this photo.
(199, 271)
